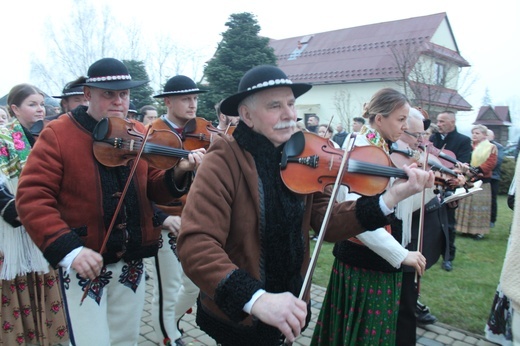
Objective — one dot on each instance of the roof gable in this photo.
(487, 115)
(362, 53)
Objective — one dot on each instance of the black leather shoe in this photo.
(447, 266)
(424, 317)
(179, 342)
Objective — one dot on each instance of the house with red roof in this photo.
(418, 56)
(497, 119)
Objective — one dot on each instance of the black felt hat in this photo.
(70, 89)
(257, 79)
(132, 108)
(110, 74)
(180, 85)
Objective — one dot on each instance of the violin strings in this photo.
(164, 150)
(374, 169)
(152, 148)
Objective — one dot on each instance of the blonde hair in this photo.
(483, 129)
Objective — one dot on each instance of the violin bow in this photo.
(421, 220)
(119, 205)
(314, 259)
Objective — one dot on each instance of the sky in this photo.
(487, 34)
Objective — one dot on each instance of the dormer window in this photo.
(300, 47)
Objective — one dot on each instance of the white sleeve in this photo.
(249, 305)
(66, 262)
(383, 244)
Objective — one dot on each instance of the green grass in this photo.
(461, 298)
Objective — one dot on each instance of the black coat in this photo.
(456, 142)
(339, 138)
(435, 233)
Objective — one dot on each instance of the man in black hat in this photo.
(225, 121)
(174, 293)
(132, 112)
(244, 236)
(74, 204)
(72, 96)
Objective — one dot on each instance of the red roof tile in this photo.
(361, 53)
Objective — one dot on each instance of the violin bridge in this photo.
(132, 142)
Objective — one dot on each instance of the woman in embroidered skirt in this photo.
(474, 212)
(32, 309)
(362, 300)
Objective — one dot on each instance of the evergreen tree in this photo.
(142, 95)
(486, 100)
(240, 49)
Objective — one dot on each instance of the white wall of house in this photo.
(320, 101)
(443, 36)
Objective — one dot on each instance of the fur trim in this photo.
(369, 213)
(234, 292)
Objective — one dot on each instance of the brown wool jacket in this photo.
(220, 229)
(60, 190)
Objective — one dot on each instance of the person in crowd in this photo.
(32, 311)
(325, 131)
(92, 216)
(244, 236)
(72, 96)
(132, 112)
(312, 123)
(366, 275)
(474, 212)
(50, 112)
(495, 177)
(357, 123)
(435, 237)
(450, 139)
(498, 325)
(340, 135)
(174, 293)
(432, 129)
(148, 114)
(5, 118)
(224, 121)
(517, 151)
(510, 277)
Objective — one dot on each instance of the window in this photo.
(440, 74)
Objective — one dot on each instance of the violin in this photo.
(405, 156)
(117, 141)
(310, 163)
(447, 157)
(199, 133)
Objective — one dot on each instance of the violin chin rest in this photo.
(101, 130)
(293, 147)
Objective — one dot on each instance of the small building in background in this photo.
(497, 119)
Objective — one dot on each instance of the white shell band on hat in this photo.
(109, 78)
(270, 83)
(181, 91)
(73, 93)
